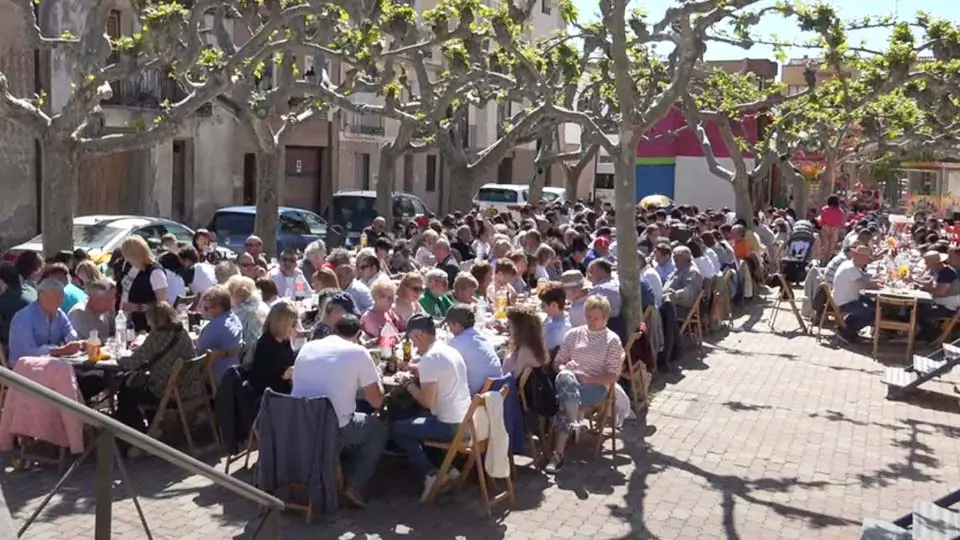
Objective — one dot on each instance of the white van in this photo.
(512, 197)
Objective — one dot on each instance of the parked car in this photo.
(101, 234)
(512, 197)
(297, 228)
(354, 211)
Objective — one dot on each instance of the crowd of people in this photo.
(452, 273)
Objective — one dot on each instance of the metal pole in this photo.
(103, 489)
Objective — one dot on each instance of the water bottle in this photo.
(482, 311)
(121, 330)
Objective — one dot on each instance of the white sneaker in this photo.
(452, 475)
(427, 486)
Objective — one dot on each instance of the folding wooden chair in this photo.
(831, 311)
(599, 416)
(786, 295)
(248, 449)
(729, 286)
(693, 322)
(465, 443)
(638, 396)
(211, 357)
(879, 323)
(185, 370)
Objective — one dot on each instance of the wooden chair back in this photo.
(786, 295)
(636, 372)
(183, 370)
(218, 354)
(895, 303)
(692, 323)
(465, 443)
(831, 311)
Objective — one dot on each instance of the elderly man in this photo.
(376, 230)
(683, 286)
(600, 274)
(851, 278)
(370, 268)
(346, 274)
(96, 313)
(249, 268)
(254, 246)
(446, 260)
(435, 301)
(314, 255)
(478, 353)
(42, 328)
(464, 244)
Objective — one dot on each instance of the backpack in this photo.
(541, 392)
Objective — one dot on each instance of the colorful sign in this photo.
(929, 204)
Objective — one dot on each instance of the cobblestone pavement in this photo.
(770, 436)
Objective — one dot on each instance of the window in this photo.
(418, 207)
(431, 173)
(603, 181)
(545, 7)
(315, 224)
(184, 236)
(228, 224)
(363, 170)
(113, 32)
(498, 195)
(151, 234)
(403, 208)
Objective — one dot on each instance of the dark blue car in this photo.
(297, 228)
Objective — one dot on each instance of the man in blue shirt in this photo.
(554, 300)
(478, 353)
(663, 255)
(42, 328)
(223, 334)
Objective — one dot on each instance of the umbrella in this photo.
(656, 201)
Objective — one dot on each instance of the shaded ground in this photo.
(770, 436)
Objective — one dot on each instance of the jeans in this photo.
(928, 315)
(859, 314)
(410, 433)
(572, 394)
(364, 439)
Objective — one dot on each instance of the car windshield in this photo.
(498, 195)
(233, 224)
(353, 212)
(315, 225)
(550, 196)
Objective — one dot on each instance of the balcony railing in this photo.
(365, 124)
(148, 90)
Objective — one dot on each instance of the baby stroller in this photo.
(797, 254)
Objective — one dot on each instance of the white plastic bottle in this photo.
(482, 312)
(121, 330)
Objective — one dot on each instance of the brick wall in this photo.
(18, 205)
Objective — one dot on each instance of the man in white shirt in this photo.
(652, 278)
(850, 279)
(204, 277)
(339, 368)
(289, 278)
(438, 382)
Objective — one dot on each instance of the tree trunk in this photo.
(743, 203)
(628, 258)
(536, 185)
(571, 182)
(271, 170)
(800, 194)
(386, 172)
(59, 189)
(460, 186)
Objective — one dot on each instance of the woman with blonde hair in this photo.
(527, 348)
(86, 273)
(142, 282)
(247, 306)
(407, 303)
(424, 256)
(273, 355)
(384, 294)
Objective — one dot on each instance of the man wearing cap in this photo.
(438, 382)
(851, 278)
(339, 368)
(575, 287)
(944, 286)
(600, 250)
(478, 353)
(42, 328)
(332, 310)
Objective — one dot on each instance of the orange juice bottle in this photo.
(94, 346)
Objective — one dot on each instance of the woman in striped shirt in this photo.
(590, 361)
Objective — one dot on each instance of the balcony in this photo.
(147, 91)
(368, 125)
